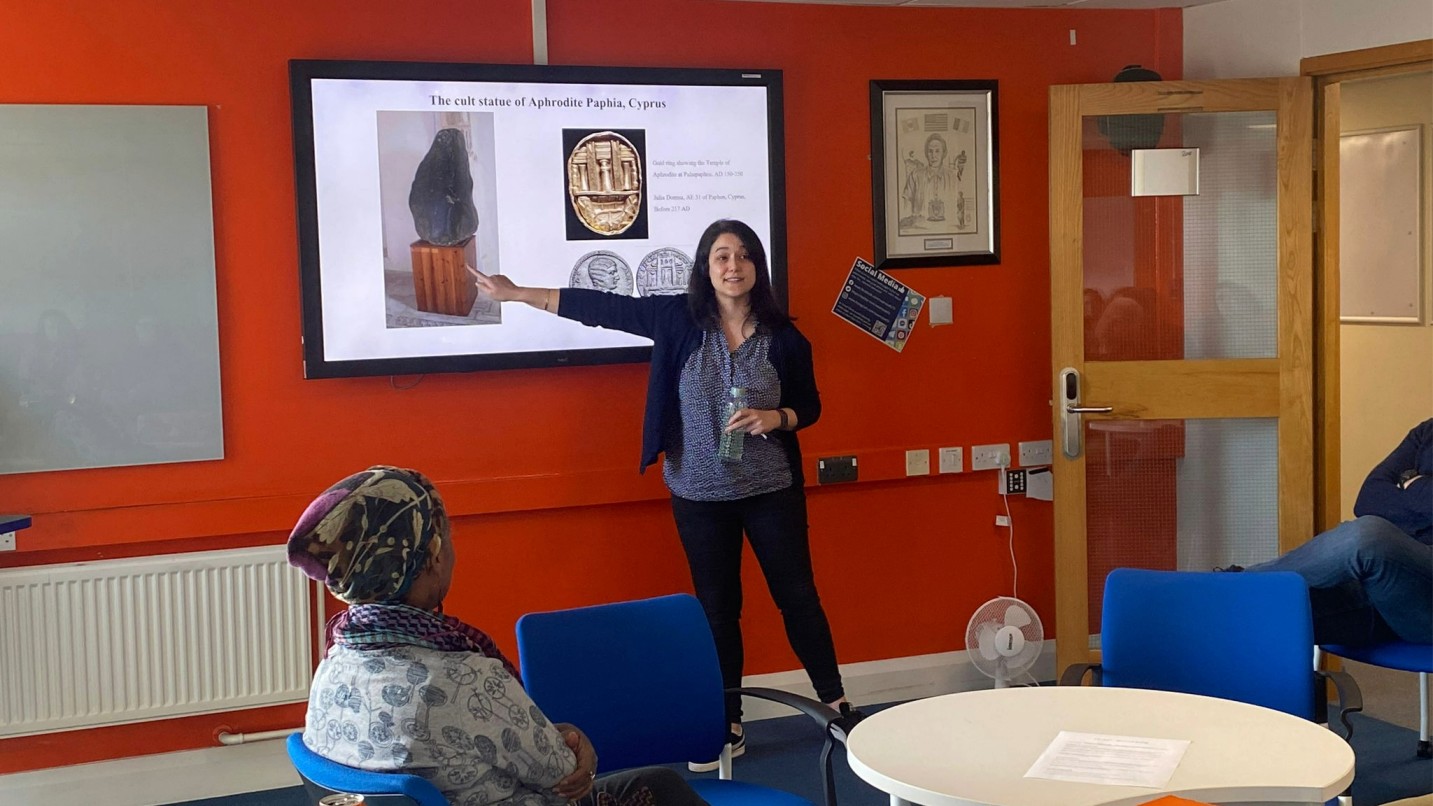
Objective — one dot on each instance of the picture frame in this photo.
(935, 173)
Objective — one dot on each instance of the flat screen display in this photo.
(586, 177)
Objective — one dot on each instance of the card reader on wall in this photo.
(832, 469)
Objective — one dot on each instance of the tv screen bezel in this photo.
(304, 71)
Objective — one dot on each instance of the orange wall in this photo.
(539, 465)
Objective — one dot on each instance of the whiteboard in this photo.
(1380, 211)
(109, 340)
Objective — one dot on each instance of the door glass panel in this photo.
(1185, 495)
(1181, 277)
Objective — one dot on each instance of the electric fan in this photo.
(1004, 639)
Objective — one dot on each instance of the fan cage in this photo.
(995, 613)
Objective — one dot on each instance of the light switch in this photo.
(952, 460)
(918, 463)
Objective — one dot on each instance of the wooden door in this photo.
(1182, 366)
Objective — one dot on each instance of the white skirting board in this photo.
(223, 771)
(214, 772)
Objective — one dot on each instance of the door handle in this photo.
(1072, 429)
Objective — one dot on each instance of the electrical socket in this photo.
(952, 460)
(1012, 482)
(833, 469)
(1039, 452)
(7, 541)
(1002, 520)
(989, 457)
(918, 463)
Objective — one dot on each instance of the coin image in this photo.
(604, 181)
(663, 271)
(602, 271)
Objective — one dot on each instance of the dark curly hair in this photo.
(701, 297)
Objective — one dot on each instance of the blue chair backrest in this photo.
(340, 778)
(1239, 636)
(641, 678)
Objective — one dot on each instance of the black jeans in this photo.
(775, 523)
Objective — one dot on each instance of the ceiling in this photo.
(1142, 4)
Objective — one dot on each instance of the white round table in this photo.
(974, 748)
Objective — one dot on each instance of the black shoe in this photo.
(737, 741)
(848, 719)
(1229, 568)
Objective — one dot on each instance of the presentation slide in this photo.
(596, 185)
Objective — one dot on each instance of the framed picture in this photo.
(935, 173)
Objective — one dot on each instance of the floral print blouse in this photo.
(456, 718)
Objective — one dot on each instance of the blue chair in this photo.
(1247, 637)
(641, 679)
(1405, 657)
(323, 777)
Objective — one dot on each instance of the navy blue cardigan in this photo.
(1383, 493)
(665, 320)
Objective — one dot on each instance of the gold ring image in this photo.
(604, 182)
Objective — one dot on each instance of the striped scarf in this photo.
(384, 626)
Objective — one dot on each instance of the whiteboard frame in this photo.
(1420, 316)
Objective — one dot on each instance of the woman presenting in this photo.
(727, 331)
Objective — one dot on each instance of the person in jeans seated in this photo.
(406, 688)
(1371, 578)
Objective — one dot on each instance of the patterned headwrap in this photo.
(369, 536)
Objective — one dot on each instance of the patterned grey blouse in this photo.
(456, 718)
(692, 469)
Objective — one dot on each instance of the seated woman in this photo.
(405, 688)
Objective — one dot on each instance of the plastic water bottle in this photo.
(730, 444)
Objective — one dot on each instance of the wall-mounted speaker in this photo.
(1128, 132)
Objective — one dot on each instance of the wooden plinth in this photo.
(441, 279)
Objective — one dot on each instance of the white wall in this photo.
(1253, 38)
(1386, 370)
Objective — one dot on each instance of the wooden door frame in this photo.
(1329, 72)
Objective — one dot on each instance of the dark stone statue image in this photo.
(446, 219)
(442, 196)
(436, 184)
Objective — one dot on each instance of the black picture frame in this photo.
(935, 173)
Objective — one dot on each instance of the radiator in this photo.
(104, 643)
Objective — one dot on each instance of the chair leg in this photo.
(828, 776)
(1425, 750)
(1321, 690)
